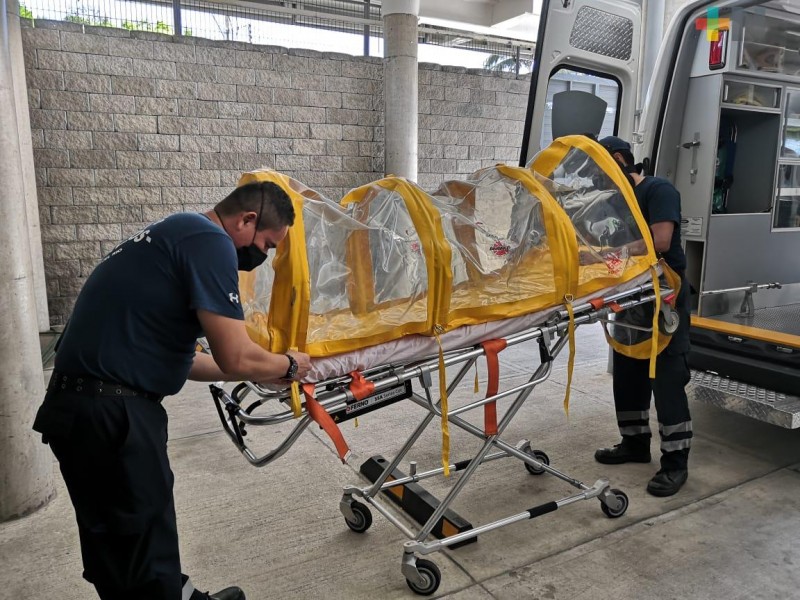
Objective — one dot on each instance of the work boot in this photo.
(624, 452)
(667, 482)
(229, 593)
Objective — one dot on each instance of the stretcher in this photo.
(396, 293)
(339, 399)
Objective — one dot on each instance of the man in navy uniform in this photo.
(131, 341)
(660, 204)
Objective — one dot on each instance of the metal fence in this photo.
(348, 26)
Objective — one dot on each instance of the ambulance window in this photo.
(579, 102)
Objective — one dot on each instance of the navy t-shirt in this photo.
(660, 201)
(135, 320)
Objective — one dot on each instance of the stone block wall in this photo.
(131, 126)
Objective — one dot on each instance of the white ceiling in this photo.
(505, 18)
(514, 19)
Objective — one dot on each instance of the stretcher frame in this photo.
(422, 575)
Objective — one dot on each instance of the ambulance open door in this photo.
(585, 71)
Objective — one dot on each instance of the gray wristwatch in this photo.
(292, 370)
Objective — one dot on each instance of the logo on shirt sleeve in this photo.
(142, 235)
(234, 298)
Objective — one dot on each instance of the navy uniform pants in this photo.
(633, 390)
(112, 452)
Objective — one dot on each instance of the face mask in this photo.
(250, 257)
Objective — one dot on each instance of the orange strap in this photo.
(359, 386)
(615, 307)
(492, 348)
(597, 303)
(324, 420)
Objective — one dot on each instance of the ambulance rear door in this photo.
(586, 70)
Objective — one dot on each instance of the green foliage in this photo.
(78, 19)
(85, 16)
(499, 62)
(158, 27)
(25, 12)
(97, 22)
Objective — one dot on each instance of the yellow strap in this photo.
(296, 403)
(291, 288)
(477, 386)
(571, 362)
(355, 422)
(654, 338)
(443, 405)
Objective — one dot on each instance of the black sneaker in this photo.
(667, 482)
(622, 453)
(229, 593)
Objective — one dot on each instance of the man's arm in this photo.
(237, 357)
(662, 235)
(205, 369)
(662, 238)
(664, 213)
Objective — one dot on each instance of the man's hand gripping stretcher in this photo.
(237, 358)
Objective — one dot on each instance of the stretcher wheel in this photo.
(363, 520)
(613, 514)
(430, 573)
(668, 321)
(541, 457)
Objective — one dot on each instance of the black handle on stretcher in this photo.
(231, 424)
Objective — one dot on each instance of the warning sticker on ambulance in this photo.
(692, 226)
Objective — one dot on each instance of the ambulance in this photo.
(710, 101)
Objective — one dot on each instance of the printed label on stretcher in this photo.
(373, 402)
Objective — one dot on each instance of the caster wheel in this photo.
(613, 514)
(363, 517)
(668, 322)
(541, 457)
(432, 576)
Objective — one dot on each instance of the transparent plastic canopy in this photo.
(390, 259)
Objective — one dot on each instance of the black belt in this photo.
(89, 386)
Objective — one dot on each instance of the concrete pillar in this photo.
(28, 171)
(176, 16)
(26, 465)
(400, 87)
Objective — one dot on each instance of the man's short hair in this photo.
(264, 198)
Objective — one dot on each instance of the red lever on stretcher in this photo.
(359, 386)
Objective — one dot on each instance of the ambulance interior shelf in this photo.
(746, 156)
(787, 209)
(753, 95)
(787, 197)
(771, 44)
(769, 58)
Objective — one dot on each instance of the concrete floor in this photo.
(277, 531)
